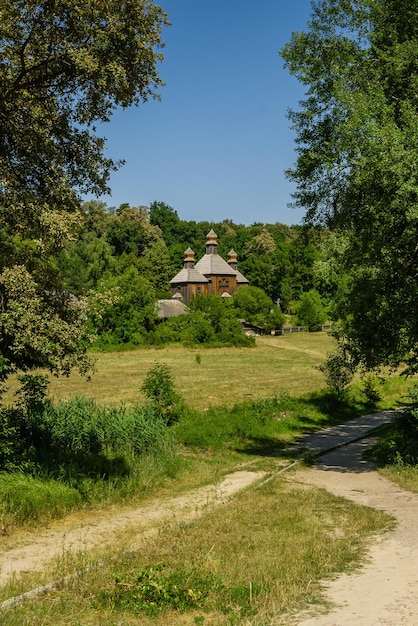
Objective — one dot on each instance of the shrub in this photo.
(371, 389)
(338, 370)
(399, 446)
(158, 387)
(310, 311)
(32, 394)
(212, 321)
(257, 308)
(200, 329)
(13, 451)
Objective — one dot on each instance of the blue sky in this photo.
(217, 144)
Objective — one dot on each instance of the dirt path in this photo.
(72, 537)
(385, 590)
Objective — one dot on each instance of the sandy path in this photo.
(385, 590)
(33, 556)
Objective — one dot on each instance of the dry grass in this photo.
(261, 557)
(279, 541)
(219, 376)
(404, 476)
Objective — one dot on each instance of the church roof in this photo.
(215, 265)
(211, 264)
(241, 278)
(188, 275)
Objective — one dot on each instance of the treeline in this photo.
(125, 257)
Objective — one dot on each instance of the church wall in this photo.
(189, 291)
(221, 284)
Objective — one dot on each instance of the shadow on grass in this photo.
(302, 417)
(73, 468)
(262, 446)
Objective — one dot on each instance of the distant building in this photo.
(212, 275)
(171, 308)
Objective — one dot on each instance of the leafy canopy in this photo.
(64, 67)
(357, 165)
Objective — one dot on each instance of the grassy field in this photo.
(248, 563)
(207, 377)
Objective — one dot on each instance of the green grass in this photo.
(262, 556)
(213, 438)
(24, 499)
(259, 557)
(205, 377)
(404, 476)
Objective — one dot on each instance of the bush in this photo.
(256, 307)
(128, 315)
(399, 446)
(13, 449)
(212, 321)
(310, 311)
(338, 370)
(158, 387)
(370, 388)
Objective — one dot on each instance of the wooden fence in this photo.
(296, 329)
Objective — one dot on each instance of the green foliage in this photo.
(213, 308)
(357, 151)
(255, 306)
(61, 72)
(310, 311)
(113, 242)
(158, 387)
(129, 315)
(76, 451)
(154, 590)
(131, 231)
(64, 67)
(32, 394)
(75, 430)
(216, 319)
(85, 264)
(25, 499)
(5, 370)
(16, 429)
(212, 321)
(40, 326)
(338, 370)
(399, 444)
(167, 219)
(371, 389)
(12, 447)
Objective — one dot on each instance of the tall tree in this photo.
(357, 165)
(64, 67)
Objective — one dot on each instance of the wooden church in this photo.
(212, 275)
